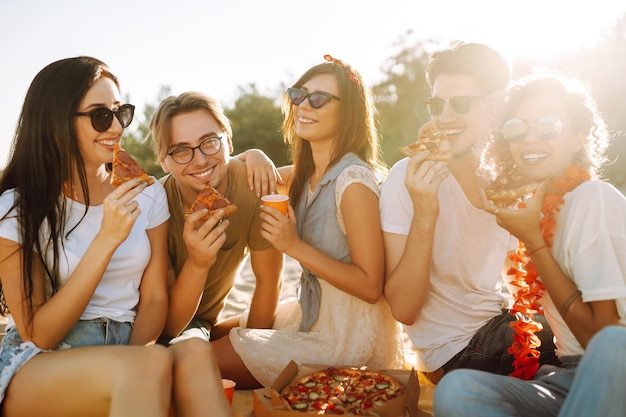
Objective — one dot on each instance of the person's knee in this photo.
(192, 353)
(606, 344)
(609, 337)
(157, 362)
(448, 392)
(193, 347)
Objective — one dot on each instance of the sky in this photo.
(218, 47)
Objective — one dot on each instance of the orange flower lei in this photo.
(526, 279)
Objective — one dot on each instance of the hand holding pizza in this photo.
(523, 222)
(422, 180)
(121, 210)
(204, 238)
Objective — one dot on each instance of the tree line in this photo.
(257, 118)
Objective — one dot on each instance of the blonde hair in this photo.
(184, 103)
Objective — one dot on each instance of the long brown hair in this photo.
(44, 153)
(358, 130)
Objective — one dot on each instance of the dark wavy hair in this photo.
(358, 130)
(583, 113)
(478, 61)
(44, 156)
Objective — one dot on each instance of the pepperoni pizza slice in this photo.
(431, 139)
(212, 200)
(125, 168)
(509, 188)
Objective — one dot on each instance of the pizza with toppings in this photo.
(509, 188)
(343, 391)
(431, 139)
(212, 200)
(125, 168)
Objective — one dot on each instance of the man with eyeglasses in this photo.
(445, 256)
(193, 139)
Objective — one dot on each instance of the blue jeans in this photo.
(96, 332)
(487, 350)
(595, 387)
(599, 388)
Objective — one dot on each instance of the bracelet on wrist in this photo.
(568, 303)
(537, 249)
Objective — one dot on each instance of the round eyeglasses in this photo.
(209, 146)
(102, 117)
(546, 127)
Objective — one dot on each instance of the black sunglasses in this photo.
(102, 117)
(317, 98)
(460, 105)
(546, 127)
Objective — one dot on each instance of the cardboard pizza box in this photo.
(267, 401)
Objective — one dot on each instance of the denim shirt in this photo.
(318, 227)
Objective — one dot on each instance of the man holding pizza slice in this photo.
(444, 254)
(208, 246)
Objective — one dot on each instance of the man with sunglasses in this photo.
(444, 254)
(193, 139)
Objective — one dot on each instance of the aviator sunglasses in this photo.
(102, 117)
(460, 105)
(546, 127)
(317, 98)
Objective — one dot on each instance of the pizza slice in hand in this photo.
(430, 138)
(509, 188)
(211, 199)
(125, 168)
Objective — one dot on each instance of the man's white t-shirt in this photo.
(117, 295)
(469, 252)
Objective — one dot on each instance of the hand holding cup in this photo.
(277, 201)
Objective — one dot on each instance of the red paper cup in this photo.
(278, 201)
(229, 389)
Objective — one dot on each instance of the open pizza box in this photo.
(267, 401)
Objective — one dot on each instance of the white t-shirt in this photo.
(590, 246)
(117, 295)
(469, 251)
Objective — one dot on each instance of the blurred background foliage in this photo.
(399, 96)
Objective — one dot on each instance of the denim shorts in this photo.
(14, 352)
(96, 332)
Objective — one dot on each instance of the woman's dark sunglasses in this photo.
(546, 127)
(102, 117)
(317, 98)
(460, 105)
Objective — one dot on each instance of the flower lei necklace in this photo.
(525, 278)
